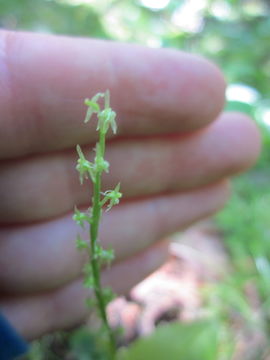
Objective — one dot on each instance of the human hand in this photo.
(173, 155)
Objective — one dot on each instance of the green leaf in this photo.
(85, 345)
(241, 107)
(176, 341)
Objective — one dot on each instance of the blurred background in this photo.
(235, 34)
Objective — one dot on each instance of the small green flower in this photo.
(87, 269)
(113, 196)
(105, 256)
(101, 165)
(108, 295)
(93, 106)
(89, 282)
(84, 167)
(106, 119)
(80, 218)
(80, 243)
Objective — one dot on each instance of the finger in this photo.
(43, 187)
(45, 79)
(43, 256)
(35, 315)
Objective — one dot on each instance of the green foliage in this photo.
(245, 222)
(52, 347)
(241, 107)
(176, 342)
(52, 16)
(84, 345)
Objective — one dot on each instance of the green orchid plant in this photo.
(93, 171)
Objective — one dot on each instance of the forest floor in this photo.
(174, 292)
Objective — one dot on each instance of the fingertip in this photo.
(243, 131)
(211, 82)
(173, 90)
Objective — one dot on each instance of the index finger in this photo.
(45, 79)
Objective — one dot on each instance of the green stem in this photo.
(93, 259)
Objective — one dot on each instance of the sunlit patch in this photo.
(265, 116)
(222, 10)
(262, 265)
(78, 2)
(155, 4)
(255, 7)
(189, 16)
(154, 42)
(242, 93)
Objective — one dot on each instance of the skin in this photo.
(173, 154)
